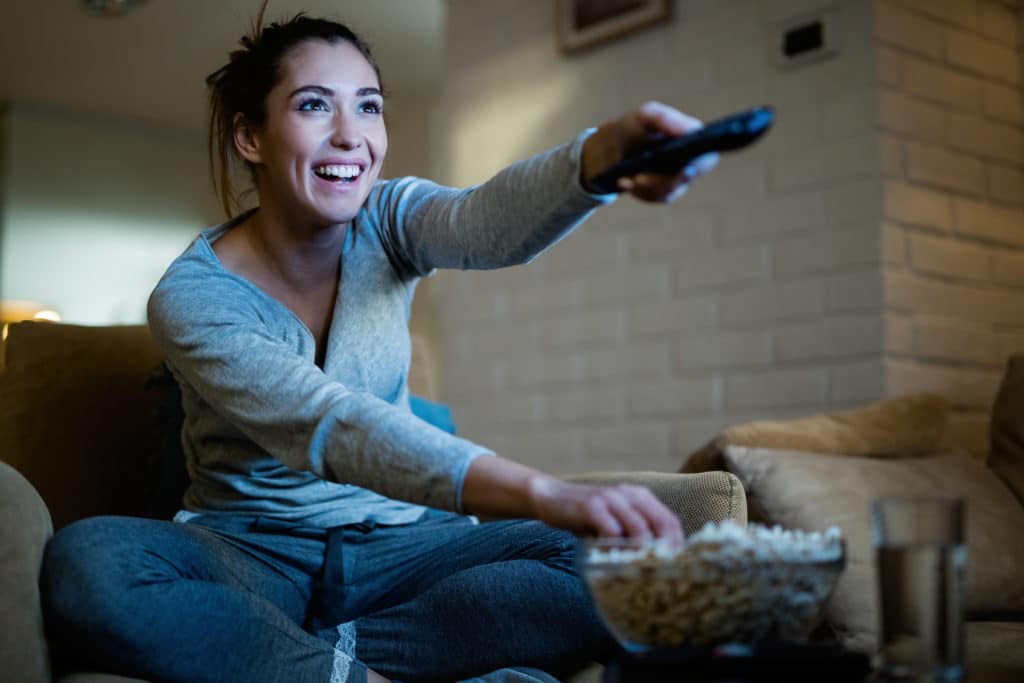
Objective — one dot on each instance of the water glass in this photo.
(921, 557)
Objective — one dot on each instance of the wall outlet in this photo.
(805, 39)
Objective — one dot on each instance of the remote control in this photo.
(671, 155)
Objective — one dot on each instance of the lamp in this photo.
(17, 311)
(110, 8)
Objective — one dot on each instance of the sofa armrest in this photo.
(25, 527)
(696, 498)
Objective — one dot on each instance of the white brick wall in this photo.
(871, 244)
(952, 111)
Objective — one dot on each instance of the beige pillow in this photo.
(808, 491)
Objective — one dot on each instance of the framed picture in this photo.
(585, 23)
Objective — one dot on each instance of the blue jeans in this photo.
(229, 598)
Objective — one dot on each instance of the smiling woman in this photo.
(326, 534)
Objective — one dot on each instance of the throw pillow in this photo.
(436, 414)
(895, 427)
(808, 491)
(1006, 457)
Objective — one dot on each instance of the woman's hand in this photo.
(614, 139)
(623, 510)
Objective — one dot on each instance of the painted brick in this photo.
(944, 340)
(889, 66)
(723, 185)
(849, 114)
(918, 206)
(485, 306)
(828, 338)
(969, 431)
(893, 245)
(943, 256)
(593, 403)
(892, 155)
(543, 299)
(941, 84)
(899, 333)
(551, 367)
(922, 296)
(1010, 343)
(854, 384)
(773, 302)
(632, 362)
(989, 223)
(1008, 268)
(827, 251)
(523, 337)
(817, 165)
(552, 450)
(584, 252)
(1005, 184)
(964, 387)
(915, 118)
(1000, 23)
(749, 220)
(959, 13)
(724, 350)
(667, 317)
(983, 57)
(947, 170)
(854, 203)
(726, 267)
(627, 446)
(850, 292)
(792, 388)
(594, 328)
(642, 282)
(908, 30)
(974, 134)
(1005, 104)
(691, 396)
(693, 232)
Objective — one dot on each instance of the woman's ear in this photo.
(245, 140)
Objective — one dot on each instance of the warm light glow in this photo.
(47, 314)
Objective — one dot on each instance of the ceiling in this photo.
(149, 66)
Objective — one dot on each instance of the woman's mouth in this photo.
(339, 173)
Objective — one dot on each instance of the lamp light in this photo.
(110, 8)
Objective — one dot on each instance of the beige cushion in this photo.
(1006, 457)
(996, 646)
(809, 491)
(696, 498)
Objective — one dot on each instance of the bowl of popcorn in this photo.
(726, 584)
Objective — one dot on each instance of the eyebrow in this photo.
(327, 92)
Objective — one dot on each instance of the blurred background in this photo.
(871, 245)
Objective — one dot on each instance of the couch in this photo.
(824, 470)
(88, 427)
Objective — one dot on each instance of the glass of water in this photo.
(921, 558)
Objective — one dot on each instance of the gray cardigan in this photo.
(266, 431)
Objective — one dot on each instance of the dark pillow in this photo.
(1007, 455)
(436, 414)
(167, 462)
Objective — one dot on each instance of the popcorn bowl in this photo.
(727, 584)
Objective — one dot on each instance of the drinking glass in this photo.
(921, 557)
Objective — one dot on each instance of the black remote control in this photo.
(671, 155)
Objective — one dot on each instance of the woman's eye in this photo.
(313, 104)
(371, 107)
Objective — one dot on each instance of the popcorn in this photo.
(727, 584)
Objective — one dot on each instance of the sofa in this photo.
(824, 470)
(89, 425)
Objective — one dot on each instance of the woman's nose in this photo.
(346, 133)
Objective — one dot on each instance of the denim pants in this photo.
(227, 598)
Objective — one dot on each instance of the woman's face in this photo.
(323, 143)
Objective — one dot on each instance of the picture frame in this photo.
(583, 24)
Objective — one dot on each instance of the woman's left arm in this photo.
(529, 206)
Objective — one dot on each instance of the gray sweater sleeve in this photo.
(509, 220)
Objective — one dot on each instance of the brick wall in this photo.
(951, 121)
(790, 281)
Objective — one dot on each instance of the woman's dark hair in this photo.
(241, 86)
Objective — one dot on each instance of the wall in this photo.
(951, 115)
(758, 295)
(95, 211)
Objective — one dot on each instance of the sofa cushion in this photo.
(895, 427)
(811, 491)
(75, 418)
(1006, 457)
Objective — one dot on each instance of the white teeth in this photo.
(337, 171)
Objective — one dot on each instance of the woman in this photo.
(325, 534)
